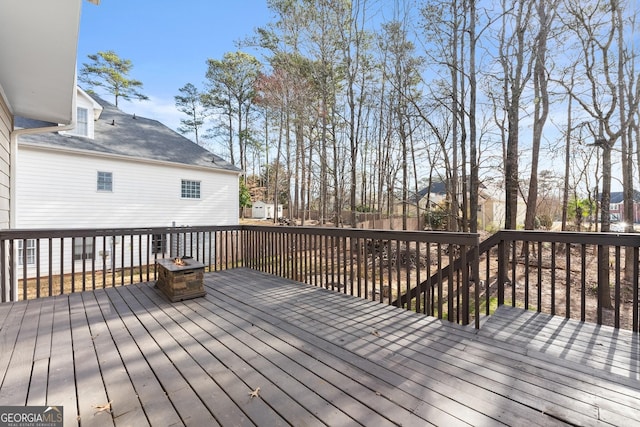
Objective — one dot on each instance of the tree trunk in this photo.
(541, 108)
(473, 155)
(604, 287)
(567, 158)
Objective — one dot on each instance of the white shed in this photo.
(262, 210)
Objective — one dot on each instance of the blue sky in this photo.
(168, 42)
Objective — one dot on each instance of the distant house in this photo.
(616, 207)
(432, 195)
(120, 170)
(491, 203)
(262, 210)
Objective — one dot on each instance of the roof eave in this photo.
(38, 66)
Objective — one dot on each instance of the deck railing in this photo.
(448, 275)
(587, 276)
(40, 263)
(378, 265)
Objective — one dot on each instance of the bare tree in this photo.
(516, 67)
(629, 96)
(597, 30)
(545, 13)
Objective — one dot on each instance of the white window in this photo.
(31, 252)
(190, 189)
(82, 122)
(82, 249)
(105, 181)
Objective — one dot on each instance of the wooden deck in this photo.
(126, 356)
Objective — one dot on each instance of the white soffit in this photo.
(38, 48)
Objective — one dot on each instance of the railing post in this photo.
(604, 291)
(635, 284)
(475, 273)
(466, 277)
(502, 270)
(4, 272)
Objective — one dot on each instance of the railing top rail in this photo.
(415, 236)
(589, 238)
(88, 232)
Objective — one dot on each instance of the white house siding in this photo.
(145, 194)
(6, 125)
(58, 189)
(110, 253)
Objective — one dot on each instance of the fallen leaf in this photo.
(101, 408)
(376, 333)
(255, 393)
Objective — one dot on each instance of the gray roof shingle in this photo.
(129, 135)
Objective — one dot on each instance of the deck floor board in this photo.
(182, 369)
(9, 331)
(379, 378)
(93, 393)
(278, 385)
(214, 357)
(123, 399)
(18, 376)
(476, 390)
(173, 392)
(318, 357)
(330, 376)
(602, 347)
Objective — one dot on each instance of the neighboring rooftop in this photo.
(129, 135)
(618, 196)
(436, 187)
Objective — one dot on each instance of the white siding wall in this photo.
(6, 125)
(111, 253)
(58, 190)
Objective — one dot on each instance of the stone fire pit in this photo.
(180, 278)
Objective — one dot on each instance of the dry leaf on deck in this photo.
(101, 408)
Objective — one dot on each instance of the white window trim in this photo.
(191, 181)
(31, 252)
(86, 131)
(102, 190)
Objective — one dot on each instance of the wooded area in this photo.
(359, 105)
